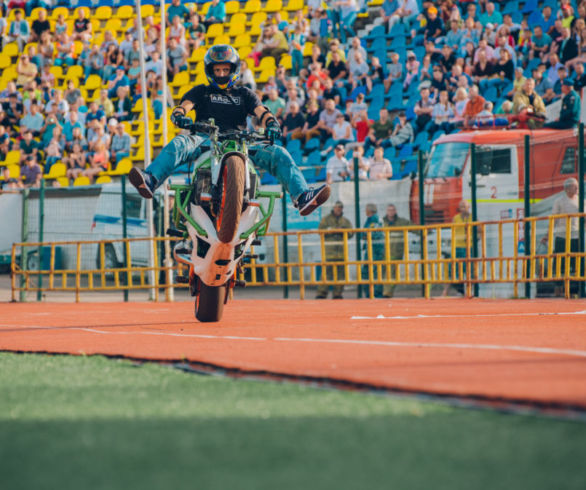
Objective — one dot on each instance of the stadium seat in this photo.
(103, 179)
(294, 5)
(57, 11)
(5, 61)
(63, 181)
(510, 7)
(293, 145)
(377, 31)
(103, 12)
(273, 6)
(57, 170)
(12, 158)
(11, 50)
(406, 150)
(252, 6)
(312, 144)
(314, 159)
(81, 180)
(214, 30)
(421, 138)
(530, 6)
(125, 12)
(14, 171)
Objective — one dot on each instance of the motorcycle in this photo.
(221, 213)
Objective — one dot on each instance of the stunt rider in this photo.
(229, 106)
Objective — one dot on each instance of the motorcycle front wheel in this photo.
(209, 305)
(234, 177)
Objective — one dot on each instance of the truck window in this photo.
(447, 160)
(493, 160)
(133, 204)
(569, 161)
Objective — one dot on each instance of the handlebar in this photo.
(209, 128)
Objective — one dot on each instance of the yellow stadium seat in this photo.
(35, 14)
(232, 7)
(273, 6)
(93, 82)
(58, 11)
(199, 68)
(63, 181)
(12, 158)
(284, 15)
(267, 63)
(204, 9)
(215, 30)
(252, 6)
(224, 39)
(125, 12)
(10, 49)
(5, 61)
(237, 28)
(138, 155)
(258, 18)
(241, 41)
(182, 78)
(81, 180)
(294, 5)
(264, 75)
(147, 10)
(74, 71)
(285, 61)
(122, 168)
(88, 13)
(183, 90)
(244, 51)
(103, 12)
(57, 170)
(14, 171)
(113, 25)
(307, 48)
(201, 79)
(103, 179)
(9, 73)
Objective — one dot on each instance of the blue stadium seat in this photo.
(377, 31)
(535, 19)
(437, 134)
(421, 138)
(491, 94)
(293, 145)
(530, 6)
(313, 159)
(361, 89)
(410, 113)
(425, 146)
(379, 43)
(312, 144)
(390, 152)
(511, 7)
(322, 174)
(377, 92)
(296, 155)
(406, 150)
(397, 30)
(396, 164)
(517, 17)
(374, 108)
(409, 167)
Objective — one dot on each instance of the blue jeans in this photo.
(274, 159)
(348, 25)
(296, 62)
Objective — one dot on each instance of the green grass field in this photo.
(95, 423)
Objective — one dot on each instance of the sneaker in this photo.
(144, 182)
(310, 200)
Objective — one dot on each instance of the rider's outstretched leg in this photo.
(278, 162)
(180, 150)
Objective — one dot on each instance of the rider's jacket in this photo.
(229, 108)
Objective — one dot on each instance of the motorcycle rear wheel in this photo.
(209, 305)
(232, 199)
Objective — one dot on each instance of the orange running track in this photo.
(518, 351)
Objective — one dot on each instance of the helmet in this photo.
(222, 53)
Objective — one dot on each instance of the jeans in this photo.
(296, 62)
(274, 159)
(348, 25)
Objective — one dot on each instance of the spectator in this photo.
(19, 30)
(504, 73)
(358, 157)
(177, 31)
(262, 42)
(483, 68)
(65, 50)
(491, 15)
(566, 46)
(119, 79)
(411, 69)
(552, 70)
(327, 119)
(337, 69)
(542, 85)
(75, 162)
(485, 117)
(275, 104)
(40, 25)
(442, 114)
(331, 92)
(133, 74)
(126, 44)
(337, 169)
(408, 10)
(60, 25)
(342, 130)
(58, 105)
(96, 113)
(293, 123)
(216, 13)
(423, 109)
(358, 106)
(33, 120)
(196, 32)
(376, 74)
(438, 83)
(76, 139)
(462, 244)
(31, 94)
(132, 54)
(177, 9)
(361, 124)
(72, 93)
(380, 168)
(297, 45)
(557, 87)
(395, 71)
(26, 71)
(28, 145)
(94, 62)
(71, 122)
(334, 250)
(518, 82)
(454, 36)
(246, 76)
(396, 244)
(82, 27)
(176, 58)
(13, 110)
(402, 132)
(310, 128)
(9, 183)
(98, 161)
(120, 146)
(348, 13)
(377, 250)
(54, 150)
(379, 131)
(566, 204)
(528, 103)
(155, 64)
(474, 105)
(579, 77)
(570, 111)
(112, 61)
(30, 173)
(358, 70)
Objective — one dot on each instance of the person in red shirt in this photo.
(474, 105)
(362, 125)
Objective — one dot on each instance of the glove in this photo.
(180, 120)
(273, 131)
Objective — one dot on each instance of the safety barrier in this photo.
(515, 251)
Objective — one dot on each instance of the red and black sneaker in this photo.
(144, 182)
(310, 200)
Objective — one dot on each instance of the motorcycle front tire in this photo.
(209, 304)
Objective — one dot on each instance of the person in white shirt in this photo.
(407, 11)
(380, 167)
(337, 167)
(342, 130)
(565, 204)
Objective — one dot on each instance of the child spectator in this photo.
(363, 164)
(75, 162)
(402, 132)
(30, 173)
(376, 74)
(98, 161)
(196, 32)
(442, 114)
(19, 30)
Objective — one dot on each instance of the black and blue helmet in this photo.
(222, 53)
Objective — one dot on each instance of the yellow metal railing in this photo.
(434, 254)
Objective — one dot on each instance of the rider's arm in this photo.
(264, 115)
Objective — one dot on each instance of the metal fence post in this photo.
(421, 180)
(357, 216)
(24, 239)
(125, 231)
(285, 239)
(527, 214)
(474, 198)
(41, 237)
(581, 202)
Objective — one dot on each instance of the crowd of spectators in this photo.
(430, 68)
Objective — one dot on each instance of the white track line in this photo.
(514, 348)
(482, 315)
